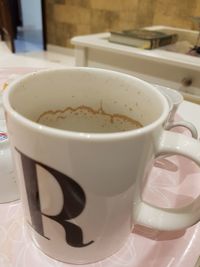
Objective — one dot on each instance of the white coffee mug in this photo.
(82, 191)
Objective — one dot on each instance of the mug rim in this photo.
(83, 135)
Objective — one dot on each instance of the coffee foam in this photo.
(86, 119)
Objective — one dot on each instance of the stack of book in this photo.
(142, 38)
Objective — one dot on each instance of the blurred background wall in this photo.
(67, 18)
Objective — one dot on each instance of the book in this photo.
(142, 38)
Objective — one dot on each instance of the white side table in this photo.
(156, 66)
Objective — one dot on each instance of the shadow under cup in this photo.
(53, 92)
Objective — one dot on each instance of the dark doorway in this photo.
(27, 23)
(7, 31)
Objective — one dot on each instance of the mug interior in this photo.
(116, 93)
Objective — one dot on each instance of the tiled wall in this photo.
(68, 18)
(176, 12)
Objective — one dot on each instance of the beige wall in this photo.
(68, 18)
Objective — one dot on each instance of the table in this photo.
(155, 66)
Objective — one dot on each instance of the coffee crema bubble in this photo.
(86, 119)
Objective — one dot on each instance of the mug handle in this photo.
(170, 219)
(186, 124)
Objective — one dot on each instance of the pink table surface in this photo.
(173, 182)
